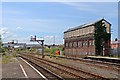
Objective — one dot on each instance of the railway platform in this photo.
(12, 70)
(106, 59)
(18, 69)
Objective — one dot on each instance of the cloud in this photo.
(102, 9)
(59, 0)
(21, 39)
(11, 12)
(5, 33)
(52, 36)
(35, 26)
(32, 25)
(19, 28)
(51, 39)
(3, 30)
(79, 6)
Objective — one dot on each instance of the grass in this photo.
(63, 61)
(52, 50)
(6, 59)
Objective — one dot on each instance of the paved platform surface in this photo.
(14, 70)
(29, 71)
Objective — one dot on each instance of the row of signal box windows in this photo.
(79, 44)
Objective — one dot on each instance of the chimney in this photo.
(116, 39)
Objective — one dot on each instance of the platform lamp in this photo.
(41, 42)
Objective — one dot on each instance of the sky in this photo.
(49, 20)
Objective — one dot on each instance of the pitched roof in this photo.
(115, 42)
(85, 25)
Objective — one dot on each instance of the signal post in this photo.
(41, 42)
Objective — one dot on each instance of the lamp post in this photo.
(41, 42)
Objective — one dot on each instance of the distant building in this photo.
(36, 46)
(115, 46)
(88, 39)
(21, 45)
(15, 45)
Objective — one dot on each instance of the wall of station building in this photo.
(78, 48)
(80, 41)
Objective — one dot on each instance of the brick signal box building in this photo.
(88, 39)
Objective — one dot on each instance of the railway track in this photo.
(93, 61)
(64, 69)
(47, 73)
(100, 64)
(103, 65)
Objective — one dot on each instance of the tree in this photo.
(101, 37)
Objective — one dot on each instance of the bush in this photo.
(2, 50)
(47, 50)
(31, 49)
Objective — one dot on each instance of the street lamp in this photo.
(41, 42)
